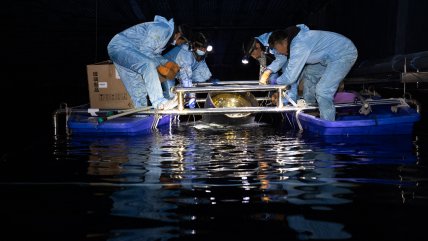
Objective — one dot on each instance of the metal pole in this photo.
(241, 88)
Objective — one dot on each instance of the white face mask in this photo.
(200, 52)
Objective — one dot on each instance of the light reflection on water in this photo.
(201, 176)
(200, 182)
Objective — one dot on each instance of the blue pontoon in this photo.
(356, 116)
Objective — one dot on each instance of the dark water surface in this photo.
(201, 182)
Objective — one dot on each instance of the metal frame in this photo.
(229, 87)
(180, 91)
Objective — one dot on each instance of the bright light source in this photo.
(245, 61)
(209, 48)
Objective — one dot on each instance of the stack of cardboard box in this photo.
(106, 90)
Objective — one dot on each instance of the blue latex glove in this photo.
(192, 103)
(215, 81)
(272, 81)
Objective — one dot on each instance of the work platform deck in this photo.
(385, 120)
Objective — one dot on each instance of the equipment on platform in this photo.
(230, 100)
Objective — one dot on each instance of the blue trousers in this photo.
(321, 83)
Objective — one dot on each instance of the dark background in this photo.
(47, 44)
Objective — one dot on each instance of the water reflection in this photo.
(315, 229)
(370, 149)
(186, 181)
(359, 153)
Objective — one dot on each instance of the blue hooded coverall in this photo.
(280, 63)
(136, 52)
(190, 69)
(327, 58)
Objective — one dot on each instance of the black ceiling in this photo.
(62, 37)
(82, 28)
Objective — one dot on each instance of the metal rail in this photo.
(231, 82)
(229, 88)
(261, 109)
(230, 110)
(180, 91)
(213, 111)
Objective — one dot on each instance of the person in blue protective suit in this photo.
(136, 54)
(193, 68)
(326, 58)
(258, 48)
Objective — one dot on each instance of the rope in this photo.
(297, 119)
(67, 116)
(155, 122)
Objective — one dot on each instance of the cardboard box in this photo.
(106, 90)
